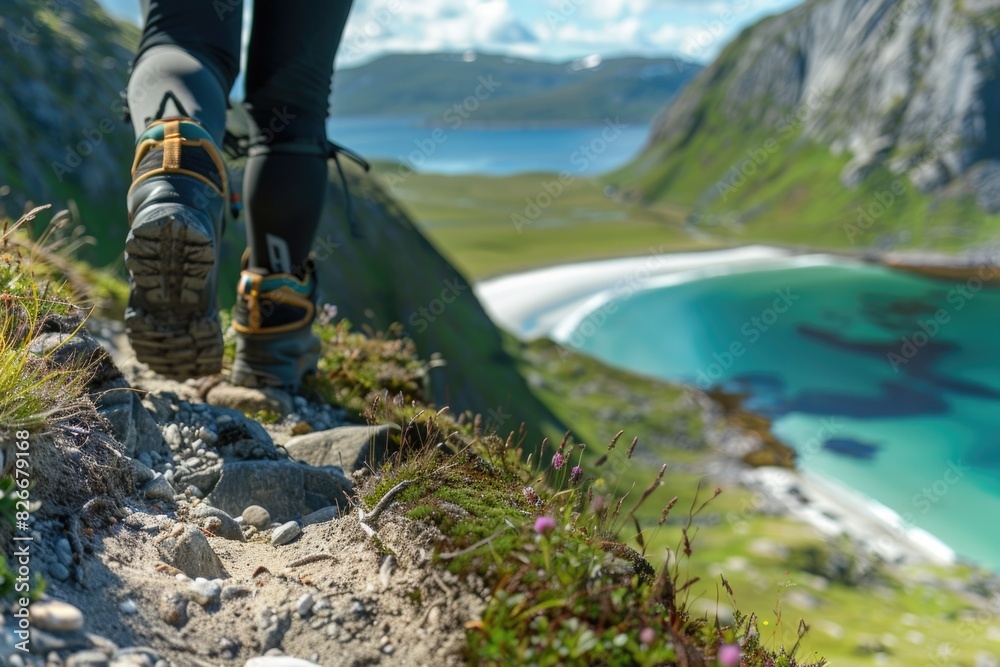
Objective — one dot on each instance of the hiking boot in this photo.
(175, 209)
(275, 345)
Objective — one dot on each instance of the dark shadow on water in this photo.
(850, 448)
(893, 399)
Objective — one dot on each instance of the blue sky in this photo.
(543, 29)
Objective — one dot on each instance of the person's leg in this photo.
(187, 61)
(289, 69)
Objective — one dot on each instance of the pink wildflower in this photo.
(544, 524)
(729, 655)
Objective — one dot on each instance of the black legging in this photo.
(187, 62)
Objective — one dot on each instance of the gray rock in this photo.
(208, 435)
(64, 551)
(191, 553)
(285, 533)
(232, 426)
(88, 659)
(278, 661)
(287, 489)
(172, 435)
(43, 641)
(321, 516)
(226, 528)
(59, 572)
(128, 607)
(256, 516)
(193, 473)
(158, 489)
(142, 472)
(350, 447)
(205, 593)
(249, 401)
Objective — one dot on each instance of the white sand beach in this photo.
(549, 302)
(536, 303)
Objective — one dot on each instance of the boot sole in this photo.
(172, 321)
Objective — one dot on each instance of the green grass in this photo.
(469, 219)
(852, 614)
(31, 391)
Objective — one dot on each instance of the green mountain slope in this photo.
(502, 89)
(61, 127)
(840, 122)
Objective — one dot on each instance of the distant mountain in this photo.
(490, 88)
(861, 121)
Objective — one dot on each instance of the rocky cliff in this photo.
(905, 89)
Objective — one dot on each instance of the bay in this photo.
(883, 380)
(497, 150)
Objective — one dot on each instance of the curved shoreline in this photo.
(552, 302)
(532, 304)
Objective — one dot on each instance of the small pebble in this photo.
(55, 616)
(65, 551)
(256, 516)
(385, 572)
(388, 649)
(192, 462)
(204, 592)
(304, 606)
(234, 592)
(87, 659)
(285, 533)
(128, 606)
(208, 435)
(59, 571)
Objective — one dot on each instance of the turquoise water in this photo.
(823, 351)
(502, 150)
